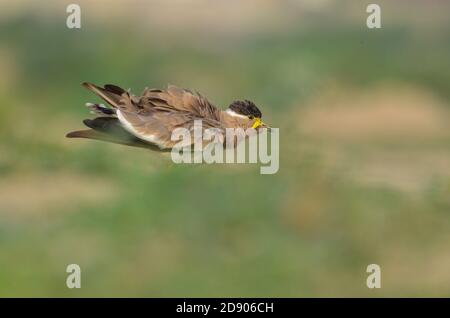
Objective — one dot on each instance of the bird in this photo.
(148, 120)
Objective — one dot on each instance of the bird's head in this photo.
(247, 109)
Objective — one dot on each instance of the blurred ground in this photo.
(364, 158)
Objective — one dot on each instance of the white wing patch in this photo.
(128, 127)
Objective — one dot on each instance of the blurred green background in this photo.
(364, 157)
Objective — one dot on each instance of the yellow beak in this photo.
(258, 122)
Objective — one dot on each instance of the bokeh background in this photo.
(364, 157)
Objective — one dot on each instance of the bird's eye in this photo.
(251, 117)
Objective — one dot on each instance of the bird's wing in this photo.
(179, 99)
(157, 127)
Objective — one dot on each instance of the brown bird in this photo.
(149, 120)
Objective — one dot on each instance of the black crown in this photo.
(246, 108)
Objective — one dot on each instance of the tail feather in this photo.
(96, 135)
(110, 93)
(101, 109)
(109, 129)
(109, 125)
